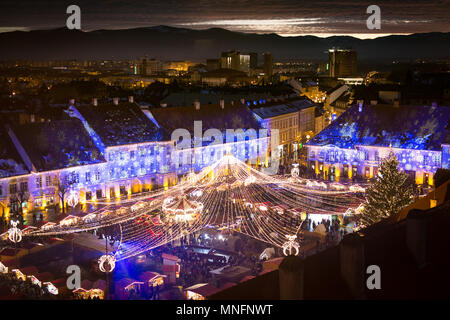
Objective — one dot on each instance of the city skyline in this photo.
(285, 18)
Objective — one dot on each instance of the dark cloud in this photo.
(281, 16)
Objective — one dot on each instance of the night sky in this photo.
(284, 17)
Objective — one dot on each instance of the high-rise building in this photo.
(342, 62)
(235, 60)
(148, 67)
(244, 62)
(268, 64)
(143, 67)
(230, 60)
(253, 60)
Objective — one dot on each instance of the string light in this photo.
(14, 233)
(73, 199)
(291, 244)
(110, 260)
(228, 195)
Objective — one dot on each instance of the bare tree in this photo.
(63, 188)
(23, 196)
(16, 201)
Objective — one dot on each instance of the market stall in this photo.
(152, 279)
(69, 221)
(200, 291)
(126, 287)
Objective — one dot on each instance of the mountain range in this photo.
(170, 43)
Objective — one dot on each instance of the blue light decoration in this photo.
(333, 117)
(414, 134)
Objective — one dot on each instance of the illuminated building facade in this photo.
(293, 119)
(105, 151)
(354, 144)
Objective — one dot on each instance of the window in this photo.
(312, 155)
(74, 178)
(24, 186)
(436, 160)
(97, 176)
(48, 181)
(39, 182)
(132, 155)
(88, 176)
(1, 191)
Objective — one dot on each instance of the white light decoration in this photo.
(290, 245)
(223, 199)
(357, 188)
(183, 210)
(249, 180)
(197, 193)
(14, 233)
(73, 199)
(295, 172)
(138, 205)
(337, 186)
(109, 259)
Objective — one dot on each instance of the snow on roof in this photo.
(405, 127)
(120, 124)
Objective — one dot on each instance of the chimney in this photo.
(72, 102)
(131, 99)
(197, 105)
(116, 101)
(222, 103)
(94, 102)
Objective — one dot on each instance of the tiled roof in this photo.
(235, 116)
(57, 144)
(120, 124)
(406, 127)
(280, 108)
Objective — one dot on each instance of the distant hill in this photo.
(169, 43)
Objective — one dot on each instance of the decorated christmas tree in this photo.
(390, 192)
